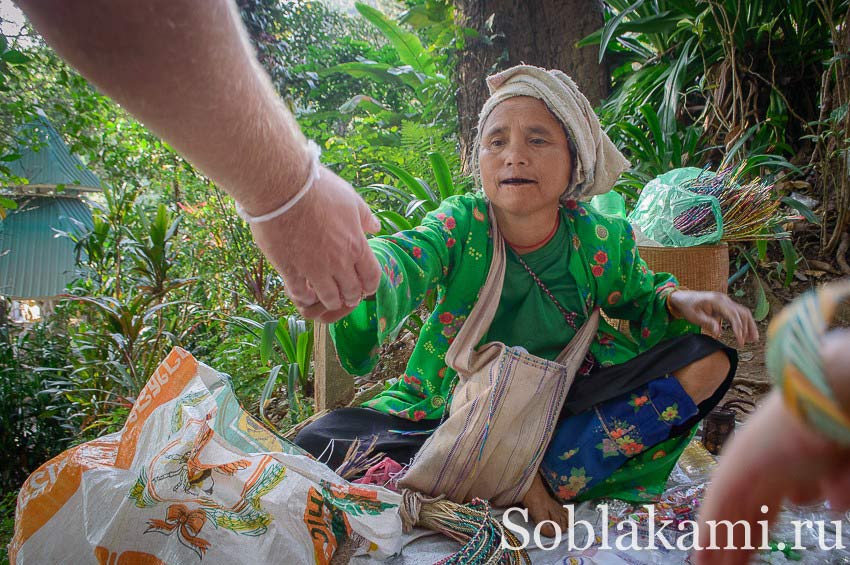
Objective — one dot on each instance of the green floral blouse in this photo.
(450, 252)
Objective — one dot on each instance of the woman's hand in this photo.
(709, 309)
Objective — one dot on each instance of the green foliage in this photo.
(407, 45)
(6, 204)
(714, 64)
(712, 84)
(653, 150)
(404, 105)
(7, 523)
(128, 307)
(13, 64)
(762, 305)
(35, 420)
(289, 338)
(291, 38)
(154, 254)
(403, 207)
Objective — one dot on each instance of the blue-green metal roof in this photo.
(34, 263)
(50, 162)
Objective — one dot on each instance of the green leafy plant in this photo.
(35, 423)
(709, 84)
(762, 308)
(405, 107)
(715, 64)
(403, 207)
(653, 150)
(126, 305)
(7, 522)
(289, 338)
(6, 204)
(154, 254)
(417, 70)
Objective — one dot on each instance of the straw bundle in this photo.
(469, 524)
(749, 211)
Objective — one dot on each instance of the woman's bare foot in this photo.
(541, 506)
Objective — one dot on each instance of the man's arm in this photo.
(186, 70)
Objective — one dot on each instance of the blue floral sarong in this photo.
(590, 448)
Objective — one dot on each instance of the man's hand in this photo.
(319, 248)
(776, 457)
(708, 309)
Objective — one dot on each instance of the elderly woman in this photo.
(540, 154)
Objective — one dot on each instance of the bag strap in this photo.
(567, 318)
(583, 336)
(576, 349)
(461, 352)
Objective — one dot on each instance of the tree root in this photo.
(841, 251)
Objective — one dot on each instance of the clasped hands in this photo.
(319, 248)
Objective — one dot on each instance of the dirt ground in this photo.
(751, 381)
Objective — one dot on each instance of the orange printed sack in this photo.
(194, 478)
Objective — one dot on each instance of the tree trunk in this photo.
(535, 32)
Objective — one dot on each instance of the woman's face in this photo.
(524, 157)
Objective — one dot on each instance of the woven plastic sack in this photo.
(193, 478)
(665, 206)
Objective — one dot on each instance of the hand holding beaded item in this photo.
(795, 363)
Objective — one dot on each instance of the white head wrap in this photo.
(598, 162)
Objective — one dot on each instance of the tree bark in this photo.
(534, 32)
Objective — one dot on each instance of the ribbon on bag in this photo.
(188, 525)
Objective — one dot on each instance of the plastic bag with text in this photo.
(192, 477)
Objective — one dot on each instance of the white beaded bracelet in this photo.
(315, 171)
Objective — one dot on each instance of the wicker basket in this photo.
(704, 267)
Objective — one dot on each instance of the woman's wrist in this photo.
(671, 308)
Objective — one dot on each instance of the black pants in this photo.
(329, 437)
